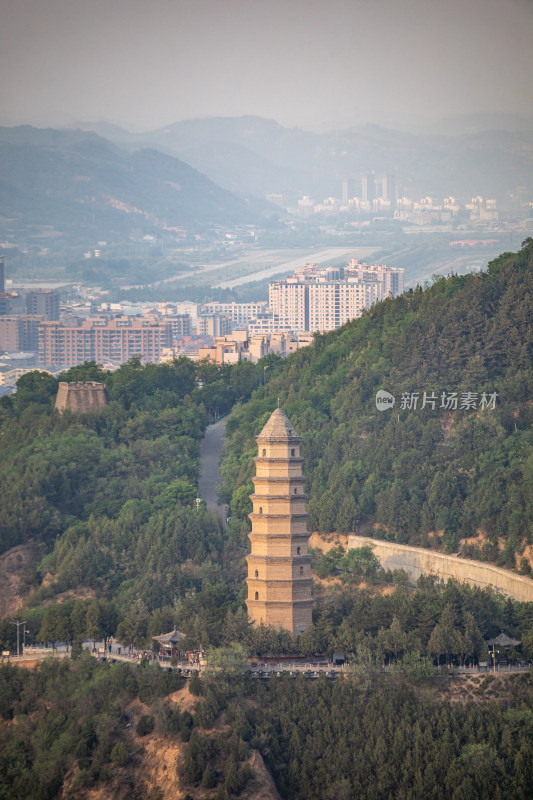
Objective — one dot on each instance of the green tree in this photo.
(55, 626)
(231, 659)
(179, 491)
(35, 387)
(195, 760)
(145, 725)
(88, 371)
(133, 629)
(361, 562)
(119, 754)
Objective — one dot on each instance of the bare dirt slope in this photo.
(327, 541)
(153, 763)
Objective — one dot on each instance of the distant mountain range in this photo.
(76, 184)
(80, 185)
(256, 156)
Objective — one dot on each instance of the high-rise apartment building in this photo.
(19, 333)
(388, 190)
(368, 188)
(333, 303)
(323, 299)
(214, 325)
(344, 188)
(391, 278)
(115, 340)
(289, 302)
(181, 324)
(43, 302)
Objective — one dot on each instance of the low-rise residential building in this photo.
(241, 346)
(241, 313)
(9, 375)
(266, 323)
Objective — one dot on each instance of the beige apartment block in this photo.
(279, 566)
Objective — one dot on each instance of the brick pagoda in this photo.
(279, 567)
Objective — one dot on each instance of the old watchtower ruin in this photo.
(279, 567)
(81, 398)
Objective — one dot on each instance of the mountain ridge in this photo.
(466, 163)
(85, 186)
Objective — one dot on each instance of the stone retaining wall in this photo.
(417, 561)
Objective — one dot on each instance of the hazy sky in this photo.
(312, 63)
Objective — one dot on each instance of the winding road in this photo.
(210, 452)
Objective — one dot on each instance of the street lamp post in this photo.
(264, 374)
(18, 623)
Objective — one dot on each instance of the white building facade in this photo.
(323, 299)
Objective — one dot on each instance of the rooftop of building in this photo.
(18, 356)
(278, 427)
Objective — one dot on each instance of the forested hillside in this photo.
(106, 503)
(429, 473)
(75, 726)
(82, 188)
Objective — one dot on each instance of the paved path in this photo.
(210, 452)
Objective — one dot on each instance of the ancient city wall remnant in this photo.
(81, 398)
(417, 561)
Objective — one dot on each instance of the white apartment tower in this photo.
(289, 301)
(323, 299)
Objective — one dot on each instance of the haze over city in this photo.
(266, 399)
(310, 64)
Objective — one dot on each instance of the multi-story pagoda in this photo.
(279, 567)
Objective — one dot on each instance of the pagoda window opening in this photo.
(257, 573)
(298, 551)
(257, 595)
(260, 510)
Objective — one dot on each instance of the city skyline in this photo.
(307, 64)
